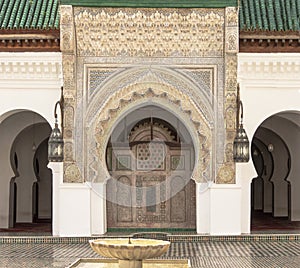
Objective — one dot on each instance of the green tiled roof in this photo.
(29, 14)
(151, 3)
(270, 15)
(265, 15)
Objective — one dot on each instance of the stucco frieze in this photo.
(129, 32)
(30, 67)
(30, 70)
(263, 66)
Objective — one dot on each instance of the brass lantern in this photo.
(56, 145)
(241, 142)
(56, 142)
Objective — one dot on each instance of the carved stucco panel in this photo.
(69, 72)
(232, 40)
(68, 151)
(126, 77)
(69, 119)
(149, 32)
(72, 173)
(67, 45)
(231, 30)
(67, 32)
(228, 167)
(231, 16)
(226, 173)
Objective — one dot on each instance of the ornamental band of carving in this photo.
(116, 106)
(111, 32)
(226, 173)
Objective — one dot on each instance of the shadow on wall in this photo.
(275, 150)
(23, 134)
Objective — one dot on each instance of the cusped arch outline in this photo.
(129, 76)
(138, 95)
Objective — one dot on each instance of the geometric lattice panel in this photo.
(151, 156)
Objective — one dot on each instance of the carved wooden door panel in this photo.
(144, 198)
(151, 187)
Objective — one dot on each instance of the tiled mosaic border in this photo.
(171, 238)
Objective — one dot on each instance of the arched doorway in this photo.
(103, 120)
(150, 157)
(27, 182)
(275, 191)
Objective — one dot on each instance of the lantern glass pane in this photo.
(241, 146)
(55, 146)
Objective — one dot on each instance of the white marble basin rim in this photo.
(136, 249)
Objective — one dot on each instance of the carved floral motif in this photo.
(149, 32)
(72, 173)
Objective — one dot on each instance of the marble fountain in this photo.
(129, 253)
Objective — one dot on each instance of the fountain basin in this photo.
(130, 249)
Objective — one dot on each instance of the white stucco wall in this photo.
(218, 209)
(270, 83)
(28, 81)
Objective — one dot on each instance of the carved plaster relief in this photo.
(68, 48)
(67, 37)
(195, 89)
(72, 173)
(143, 93)
(109, 32)
(226, 173)
(198, 47)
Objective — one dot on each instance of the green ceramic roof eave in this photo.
(269, 15)
(152, 3)
(29, 14)
(254, 15)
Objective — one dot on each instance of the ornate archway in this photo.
(138, 95)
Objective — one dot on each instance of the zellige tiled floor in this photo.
(261, 254)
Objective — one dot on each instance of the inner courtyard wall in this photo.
(269, 85)
(29, 82)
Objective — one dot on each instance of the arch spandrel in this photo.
(175, 81)
(138, 95)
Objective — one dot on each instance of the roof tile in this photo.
(29, 14)
(266, 15)
(270, 15)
